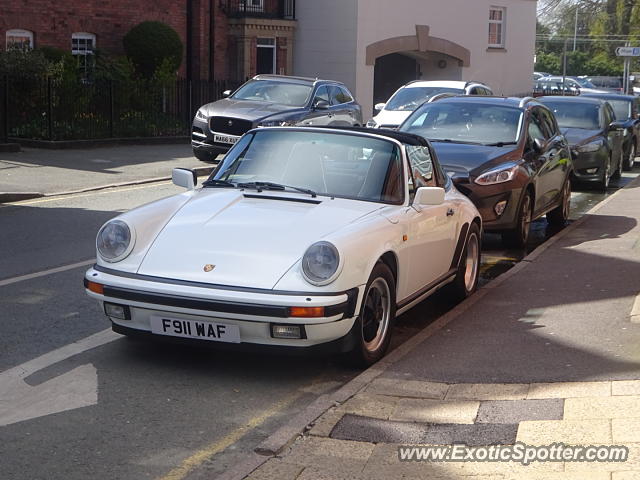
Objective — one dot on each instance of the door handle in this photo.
(450, 212)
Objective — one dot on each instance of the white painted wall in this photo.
(326, 40)
(327, 29)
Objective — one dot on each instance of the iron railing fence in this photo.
(46, 109)
(283, 9)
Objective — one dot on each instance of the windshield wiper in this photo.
(218, 183)
(259, 186)
(500, 144)
(448, 140)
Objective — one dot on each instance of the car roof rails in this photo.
(440, 96)
(526, 100)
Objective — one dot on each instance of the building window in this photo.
(496, 27)
(266, 55)
(22, 39)
(82, 47)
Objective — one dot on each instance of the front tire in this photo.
(603, 184)
(631, 158)
(204, 156)
(466, 281)
(376, 317)
(518, 236)
(558, 216)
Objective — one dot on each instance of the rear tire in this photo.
(518, 236)
(377, 315)
(558, 216)
(466, 281)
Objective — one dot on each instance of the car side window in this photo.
(420, 168)
(548, 123)
(473, 91)
(339, 95)
(322, 93)
(607, 115)
(535, 130)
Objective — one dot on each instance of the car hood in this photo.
(579, 136)
(248, 110)
(251, 241)
(474, 159)
(392, 117)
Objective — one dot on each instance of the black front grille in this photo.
(232, 126)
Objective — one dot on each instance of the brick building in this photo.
(223, 39)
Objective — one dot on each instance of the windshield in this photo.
(282, 93)
(465, 123)
(330, 164)
(410, 98)
(622, 108)
(585, 83)
(576, 114)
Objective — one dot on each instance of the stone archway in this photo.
(399, 60)
(420, 42)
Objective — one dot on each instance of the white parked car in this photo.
(307, 238)
(410, 96)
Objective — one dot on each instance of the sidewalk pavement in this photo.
(548, 352)
(37, 172)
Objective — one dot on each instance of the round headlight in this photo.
(320, 263)
(115, 241)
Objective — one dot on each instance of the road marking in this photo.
(206, 453)
(44, 273)
(75, 389)
(87, 194)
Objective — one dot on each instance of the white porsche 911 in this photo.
(306, 238)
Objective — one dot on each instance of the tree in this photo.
(150, 45)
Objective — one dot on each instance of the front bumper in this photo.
(203, 138)
(253, 312)
(584, 163)
(485, 199)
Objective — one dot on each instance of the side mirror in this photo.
(379, 106)
(429, 196)
(538, 145)
(184, 177)
(226, 93)
(616, 126)
(320, 104)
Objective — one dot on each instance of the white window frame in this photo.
(272, 46)
(83, 36)
(501, 25)
(18, 32)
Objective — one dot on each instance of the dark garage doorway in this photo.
(390, 73)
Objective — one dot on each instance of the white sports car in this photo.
(306, 238)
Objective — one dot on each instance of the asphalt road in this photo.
(140, 410)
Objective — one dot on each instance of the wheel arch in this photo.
(390, 259)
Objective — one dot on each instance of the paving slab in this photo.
(622, 407)
(631, 465)
(408, 388)
(625, 387)
(435, 411)
(516, 411)
(625, 430)
(569, 389)
(475, 391)
(576, 432)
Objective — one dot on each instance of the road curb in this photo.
(8, 197)
(293, 428)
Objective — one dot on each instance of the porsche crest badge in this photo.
(208, 267)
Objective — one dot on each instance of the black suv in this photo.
(506, 154)
(271, 101)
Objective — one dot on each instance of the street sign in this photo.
(628, 51)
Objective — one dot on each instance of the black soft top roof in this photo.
(407, 138)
